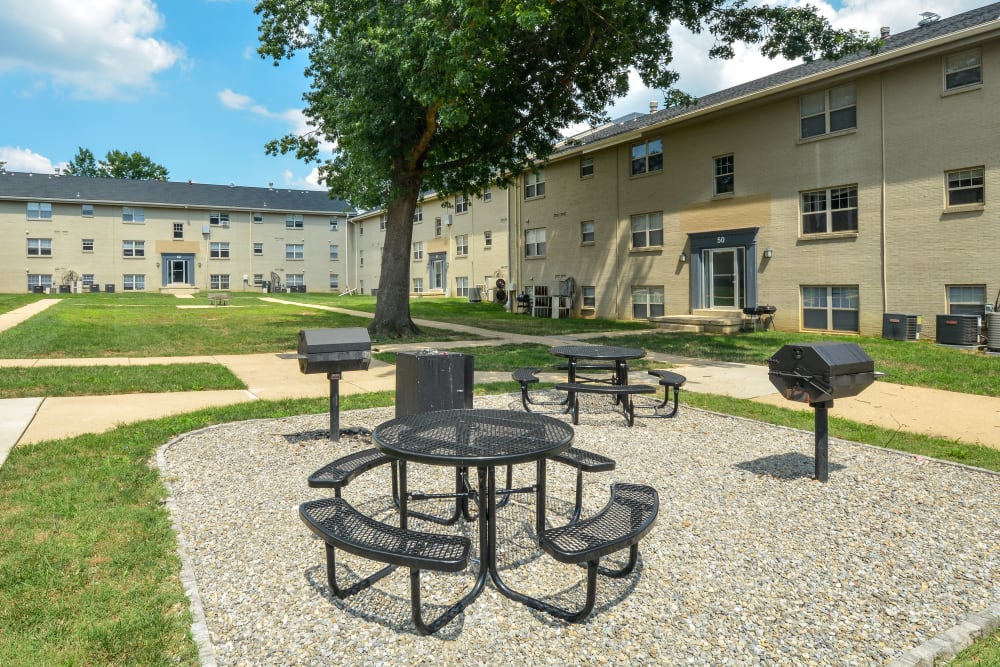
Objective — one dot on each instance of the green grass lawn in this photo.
(9, 302)
(106, 380)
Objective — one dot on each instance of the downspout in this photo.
(882, 212)
(510, 257)
(618, 256)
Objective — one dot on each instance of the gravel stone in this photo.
(751, 562)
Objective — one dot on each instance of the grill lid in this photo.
(819, 372)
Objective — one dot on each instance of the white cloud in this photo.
(310, 182)
(25, 159)
(95, 49)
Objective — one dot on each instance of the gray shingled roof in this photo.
(904, 39)
(55, 188)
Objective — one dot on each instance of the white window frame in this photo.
(39, 248)
(87, 279)
(131, 248)
(418, 251)
(961, 182)
(39, 279)
(837, 106)
(133, 282)
(258, 218)
(381, 222)
(437, 227)
(835, 209)
(835, 302)
(965, 299)
(39, 210)
(258, 280)
(334, 223)
(84, 243)
(588, 232)
(724, 181)
(462, 286)
(133, 215)
(295, 279)
(295, 221)
(218, 250)
(962, 71)
(87, 210)
(418, 214)
(534, 184)
(461, 204)
(488, 239)
(587, 166)
(418, 285)
(218, 281)
(178, 231)
(258, 249)
(334, 281)
(589, 297)
(488, 194)
(647, 157)
(295, 251)
(646, 230)
(218, 219)
(534, 242)
(462, 245)
(647, 301)
(335, 252)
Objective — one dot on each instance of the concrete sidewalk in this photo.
(973, 419)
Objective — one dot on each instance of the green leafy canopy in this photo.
(116, 164)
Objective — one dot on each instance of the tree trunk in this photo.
(392, 308)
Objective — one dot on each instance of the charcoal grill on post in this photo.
(334, 351)
(818, 373)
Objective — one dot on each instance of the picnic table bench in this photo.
(219, 298)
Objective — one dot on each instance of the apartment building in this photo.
(97, 234)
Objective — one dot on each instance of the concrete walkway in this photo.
(973, 419)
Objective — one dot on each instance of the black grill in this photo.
(334, 351)
(818, 373)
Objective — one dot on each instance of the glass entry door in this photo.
(723, 282)
(437, 272)
(178, 271)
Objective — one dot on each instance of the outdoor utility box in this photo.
(109, 287)
(958, 330)
(94, 287)
(334, 350)
(901, 326)
(820, 372)
(430, 380)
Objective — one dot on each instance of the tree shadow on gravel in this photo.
(792, 465)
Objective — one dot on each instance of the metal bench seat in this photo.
(583, 461)
(623, 391)
(669, 380)
(338, 474)
(622, 523)
(526, 376)
(341, 526)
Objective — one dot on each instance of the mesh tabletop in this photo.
(598, 352)
(473, 437)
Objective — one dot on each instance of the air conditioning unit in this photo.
(900, 326)
(958, 330)
(206, 229)
(447, 219)
(993, 331)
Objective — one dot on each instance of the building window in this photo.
(586, 167)
(418, 214)
(488, 194)
(418, 285)
(963, 69)
(294, 251)
(334, 251)
(294, 221)
(647, 302)
(178, 231)
(334, 281)
(647, 230)
(88, 279)
(39, 210)
(258, 280)
(462, 245)
(218, 250)
(133, 248)
(87, 210)
(381, 223)
(534, 184)
(39, 280)
(966, 186)
(461, 204)
(218, 219)
(589, 296)
(647, 157)
(133, 214)
(295, 279)
(462, 286)
(966, 299)
(534, 243)
(830, 308)
(87, 245)
(218, 281)
(488, 239)
(39, 247)
(437, 227)
(828, 111)
(133, 282)
(258, 218)
(361, 258)
(258, 249)
(587, 232)
(334, 223)
(418, 250)
(724, 177)
(828, 211)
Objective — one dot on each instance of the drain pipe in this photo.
(884, 249)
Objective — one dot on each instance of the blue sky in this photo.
(180, 81)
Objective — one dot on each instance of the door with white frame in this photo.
(723, 270)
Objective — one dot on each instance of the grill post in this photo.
(334, 406)
(822, 427)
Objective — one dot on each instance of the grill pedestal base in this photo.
(822, 452)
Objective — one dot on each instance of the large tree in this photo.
(453, 95)
(116, 164)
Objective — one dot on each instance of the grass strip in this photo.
(18, 382)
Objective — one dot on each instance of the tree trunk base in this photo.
(394, 329)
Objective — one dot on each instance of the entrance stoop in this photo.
(704, 321)
(179, 289)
